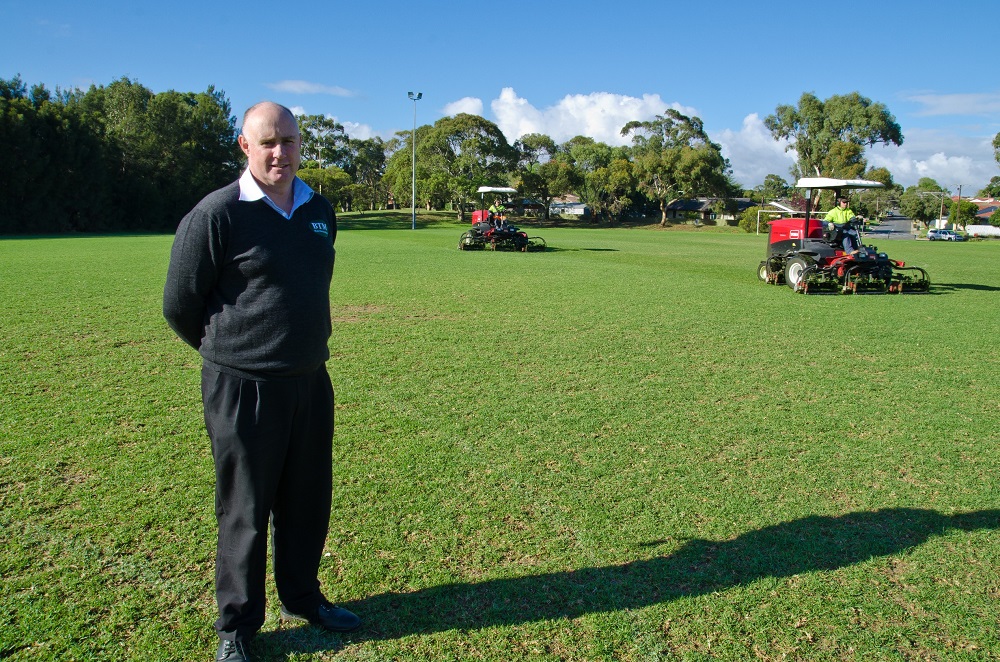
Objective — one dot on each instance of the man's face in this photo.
(271, 141)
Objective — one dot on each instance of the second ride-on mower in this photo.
(490, 229)
(807, 254)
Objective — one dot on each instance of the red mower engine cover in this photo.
(480, 216)
(785, 234)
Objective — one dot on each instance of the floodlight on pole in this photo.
(413, 200)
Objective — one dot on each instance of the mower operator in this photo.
(841, 216)
(248, 286)
(497, 213)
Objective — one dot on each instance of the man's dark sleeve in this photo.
(194, 260)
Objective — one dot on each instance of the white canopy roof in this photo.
(831, 183)
(496, 189)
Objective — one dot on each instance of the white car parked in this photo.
(944, 235)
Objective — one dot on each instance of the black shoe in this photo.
(232, 651)
(327, 616)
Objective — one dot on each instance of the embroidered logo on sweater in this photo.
(319, 227)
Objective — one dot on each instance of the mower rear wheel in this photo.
(794, 268)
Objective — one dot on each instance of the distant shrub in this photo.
(748, 220)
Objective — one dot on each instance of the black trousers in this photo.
(272, 445)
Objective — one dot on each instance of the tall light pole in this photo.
(958, 209)
(413, 200)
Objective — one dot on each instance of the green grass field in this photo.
(624, 448)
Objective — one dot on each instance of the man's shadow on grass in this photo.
(698, 567)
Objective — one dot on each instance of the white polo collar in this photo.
(250, 191)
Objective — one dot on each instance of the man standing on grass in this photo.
(248, 286)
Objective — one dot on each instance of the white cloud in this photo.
(355, 130)
(600, 115)
(957, 104)
(306, 87)
(52, 29)
(468, 105)
(358, 131)
(753, 153)
(946, 157)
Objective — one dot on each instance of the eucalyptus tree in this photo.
(589, 160)
(991, 190)
(541, 175)
(925, 201)
(585, 153)
(369, 162)
(962, 213)
(548, 181)
(465, 152)
(324, 140)
(774, 187)
(830, 137)
(672, 153)
(616, 185)
(534, 149)
(871, 203)
(330, 182)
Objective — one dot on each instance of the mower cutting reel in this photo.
(503, 238)
(807, 254)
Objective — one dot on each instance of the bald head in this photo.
(269, 106)
(270, 139)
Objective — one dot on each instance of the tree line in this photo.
(109, 159)
(121, 158)
(456, 155)
(668, 157)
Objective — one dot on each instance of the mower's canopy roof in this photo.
(498, 189)
(836, 184)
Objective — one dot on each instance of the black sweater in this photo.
(249, 289)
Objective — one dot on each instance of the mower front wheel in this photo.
(795, 267)
(762, 272)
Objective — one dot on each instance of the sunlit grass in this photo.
(625, 447)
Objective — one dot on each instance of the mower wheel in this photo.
(794, 268)
(762, 272)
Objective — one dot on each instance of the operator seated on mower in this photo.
(497, 214)
(846, 233)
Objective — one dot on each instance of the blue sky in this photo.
(555, 67)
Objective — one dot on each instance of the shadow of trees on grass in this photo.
(814, 543)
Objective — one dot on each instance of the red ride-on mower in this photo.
(490, 229)
(808, 255)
